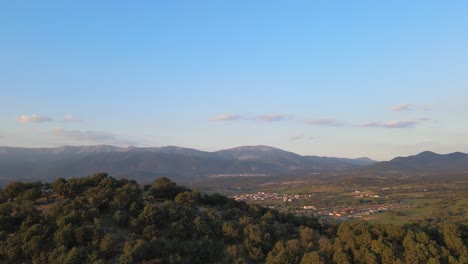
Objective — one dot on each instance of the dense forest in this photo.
(100, 219)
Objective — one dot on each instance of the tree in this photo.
(74, 256)
(281, 254)
(135, 252)
(163, 188)
(312, 258)
(13, 189)
(121, 218)
(150, 214)
(230, 231)
(307, 236)
(59, 186)
(107, 246)
(127, 195)
(453, 241)
(65, 236)
(341, 257)
(257, 240)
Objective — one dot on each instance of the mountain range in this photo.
(426, 161)
(145, 164)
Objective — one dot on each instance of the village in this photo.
(303, 204)
(262, 196)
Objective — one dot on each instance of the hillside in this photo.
(99, 219)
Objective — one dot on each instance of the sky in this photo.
(330, 78)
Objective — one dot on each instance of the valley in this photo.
(342, 196)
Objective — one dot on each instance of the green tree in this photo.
(230, 232)
(107, 246)
(312, 258)
(163, 188)
(453, 241)
(121, 218)
(340, 257)
(59, 186)
(65, 236)
(284, 254)
(135, 252)
(13, 189)
(74, 256)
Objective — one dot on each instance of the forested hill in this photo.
(99, 219)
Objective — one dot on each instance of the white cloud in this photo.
(261, 118)
(323, 122)
(396, 123)
(272, 117)
(402, 107)
(400, 124)
(34, 118)
(370, 124)
(93, 137)
(225, 117)
(70, 118)
(408, 107)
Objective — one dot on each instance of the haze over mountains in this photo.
(176, 162)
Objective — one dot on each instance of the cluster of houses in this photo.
(262, 196)
(334, 212)
(363, 194)
(357, 211)
(350, 211)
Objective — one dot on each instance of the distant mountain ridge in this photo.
(145, 164)
(76, 161)
(426, 161)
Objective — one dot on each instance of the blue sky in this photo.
(333, 78)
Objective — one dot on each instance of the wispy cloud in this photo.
(370, 124)
(70, 118)
(402, 107)
(93, 137)
(34, 118)
(395, 123)
(225, 117)
(260, 118)
(323, 122)
(408, 107)
(400, 124)
(271, 117)
(466, 103)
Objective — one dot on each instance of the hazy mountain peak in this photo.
(256, 148)
(426, 161)
(366, 159)
(428, 153)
